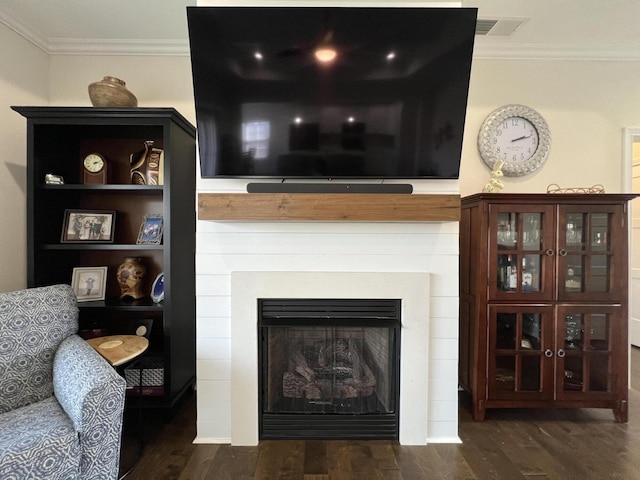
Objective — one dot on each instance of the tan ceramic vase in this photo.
(111, 92)
(130, 274)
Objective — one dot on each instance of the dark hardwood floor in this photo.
(509, 444)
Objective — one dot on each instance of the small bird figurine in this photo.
(495, 184)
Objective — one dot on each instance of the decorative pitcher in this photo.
(147, 165)
(130, 274)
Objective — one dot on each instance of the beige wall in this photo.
(156, 81)
(23, 81)
(585, 103)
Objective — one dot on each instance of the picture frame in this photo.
(88, 226)
(151, 230)
(89, 283)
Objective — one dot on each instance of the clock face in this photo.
(516, 135)
(93, 163)
(515, 140)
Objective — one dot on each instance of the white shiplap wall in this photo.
(225, 247)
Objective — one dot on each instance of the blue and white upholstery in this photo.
(61, 404)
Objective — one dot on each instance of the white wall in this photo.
(585, 103)
(28, 76)
(23, 81)
(156, 81)
(226, 247)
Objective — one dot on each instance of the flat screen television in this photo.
(390, 104)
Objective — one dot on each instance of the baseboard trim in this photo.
(211, 440)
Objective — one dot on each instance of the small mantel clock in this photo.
(94, 169)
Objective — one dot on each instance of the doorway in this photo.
(631, 183)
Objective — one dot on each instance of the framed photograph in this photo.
(89, 283)
(88, 226)
(150, 230)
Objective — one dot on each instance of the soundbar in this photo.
(330, 188)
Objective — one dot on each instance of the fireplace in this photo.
(421, 408)
(329, 368)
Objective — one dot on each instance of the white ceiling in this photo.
(589, 29)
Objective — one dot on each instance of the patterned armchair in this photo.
(61, 404)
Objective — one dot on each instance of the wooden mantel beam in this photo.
(328, 207)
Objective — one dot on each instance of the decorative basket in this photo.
(555, 188)
(149, 370)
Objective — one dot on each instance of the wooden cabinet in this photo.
(58, 139)
(543, 301)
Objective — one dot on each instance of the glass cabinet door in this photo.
(585, 343)
(587, 264)
(520, 354)
(520, 263)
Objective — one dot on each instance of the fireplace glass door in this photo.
(329, 368)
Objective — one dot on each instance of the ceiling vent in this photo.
(498, 27)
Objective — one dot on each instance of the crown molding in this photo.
(92, 46)
(495, 51)
(74, 46)
(14, 24)
(486, 50)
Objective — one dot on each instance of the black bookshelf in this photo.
(58, 138)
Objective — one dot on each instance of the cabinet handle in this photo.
(561, 353)
(548, 353)
(549, 252)
(562, 252)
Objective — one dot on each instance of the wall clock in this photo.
(94, 169)
(517, 135)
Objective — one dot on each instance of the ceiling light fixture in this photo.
(325, 52)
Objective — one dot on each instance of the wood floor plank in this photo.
(531, 444)
(362, 464)
(270, 458)
(293, 461)
(485, 456)
(315, 458)
(430, 462)
(161, 458)
(383, 456)
(237, 463)
(200, 462)
(407, 463)
(338, 460)
(531, 459)
(457, 466)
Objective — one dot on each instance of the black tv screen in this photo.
(390, 104)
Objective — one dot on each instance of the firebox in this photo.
(329, 368)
